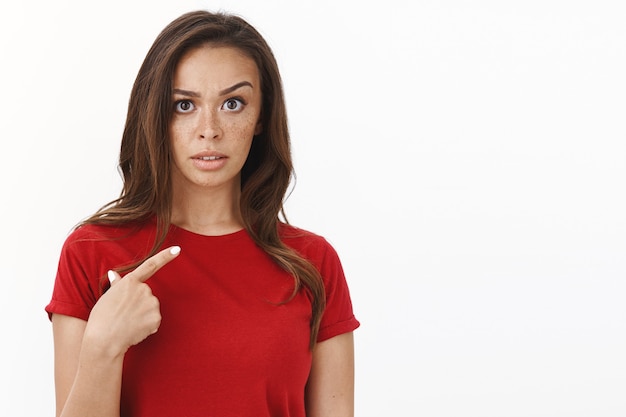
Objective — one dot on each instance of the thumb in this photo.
(113, 277)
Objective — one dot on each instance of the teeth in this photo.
(209, 158)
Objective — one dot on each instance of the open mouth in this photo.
(209, 158)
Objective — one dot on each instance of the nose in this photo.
(208, 125)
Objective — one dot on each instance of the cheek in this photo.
(176, 140)
(179, 128)
(244, 129)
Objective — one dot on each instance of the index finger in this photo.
(151, 265)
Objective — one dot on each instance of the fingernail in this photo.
(111, 276)
(175, 250)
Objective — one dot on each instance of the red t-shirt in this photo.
(226, 346)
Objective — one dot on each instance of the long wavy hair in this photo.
(145, 150)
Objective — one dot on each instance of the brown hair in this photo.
(145, 150)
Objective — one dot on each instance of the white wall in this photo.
(466, 159)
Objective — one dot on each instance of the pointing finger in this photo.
(113, 277)
(151, 265)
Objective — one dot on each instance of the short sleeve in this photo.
(77, 283)
(338, 317)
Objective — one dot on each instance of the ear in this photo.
(259, 128)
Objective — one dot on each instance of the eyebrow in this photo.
(221, 93)
(185, 92)
(235, 87)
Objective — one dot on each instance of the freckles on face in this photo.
(216, 113)
(220, 83)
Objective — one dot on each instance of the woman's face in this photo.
(217, 106)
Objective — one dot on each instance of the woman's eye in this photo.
(184, 106)
(232, 104)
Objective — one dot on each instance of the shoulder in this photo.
(98, 232)
(312, 246)
(96, 238)
(298, 238)
(90, 248)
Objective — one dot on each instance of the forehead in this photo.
(216, 65)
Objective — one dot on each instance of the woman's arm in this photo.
(89, 355)
(87, 382)
(330, 389)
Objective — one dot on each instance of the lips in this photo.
(208, 156)
(209, 160)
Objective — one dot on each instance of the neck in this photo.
(210, 213)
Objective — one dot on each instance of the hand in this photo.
(128, 312)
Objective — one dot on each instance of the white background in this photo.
(467, 159)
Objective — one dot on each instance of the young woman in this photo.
(187, 296)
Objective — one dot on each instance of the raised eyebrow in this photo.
(235, 87)
(185, 93)
(225, 91)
